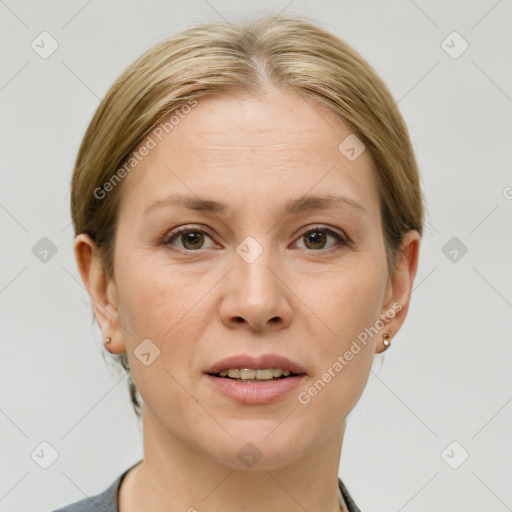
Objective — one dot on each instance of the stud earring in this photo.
(108, 339)
(386, 341)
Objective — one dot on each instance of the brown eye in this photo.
(316, 238)
(190, 239)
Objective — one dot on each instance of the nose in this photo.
(256, 295)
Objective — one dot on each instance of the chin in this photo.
(258, 452)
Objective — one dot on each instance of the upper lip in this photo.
(256, 362)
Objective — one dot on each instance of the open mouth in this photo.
(255, 387)
(247, 375)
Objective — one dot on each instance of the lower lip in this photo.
(259, 392)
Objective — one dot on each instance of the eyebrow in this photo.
(311, 202)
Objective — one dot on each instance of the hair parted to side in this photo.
(287, 52)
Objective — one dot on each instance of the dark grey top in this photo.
(106, 501)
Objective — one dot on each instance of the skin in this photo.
(306, 301)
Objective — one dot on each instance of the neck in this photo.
(175, 475)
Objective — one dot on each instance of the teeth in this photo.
(249, 374)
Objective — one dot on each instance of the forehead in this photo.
(240, 149)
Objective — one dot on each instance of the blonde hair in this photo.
(290, 53)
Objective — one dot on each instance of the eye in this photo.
(315, 238)
(191, 238)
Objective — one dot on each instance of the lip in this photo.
(259, 392)
(256, 362)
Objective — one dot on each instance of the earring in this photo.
(386, 341)
(108, 339)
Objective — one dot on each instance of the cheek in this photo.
(153, 297)
(349, 305)
(161, 303)
(345, 355)
(348, 299)
(154, 305)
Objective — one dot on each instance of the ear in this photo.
(102, 291)
(399, 289)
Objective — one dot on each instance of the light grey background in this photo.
(447, 376)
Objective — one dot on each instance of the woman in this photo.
(248, 215)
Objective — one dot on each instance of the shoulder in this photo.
(352, 507)
(105, 501)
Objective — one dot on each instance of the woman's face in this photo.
(257, 277)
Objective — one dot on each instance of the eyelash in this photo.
(340, 240)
